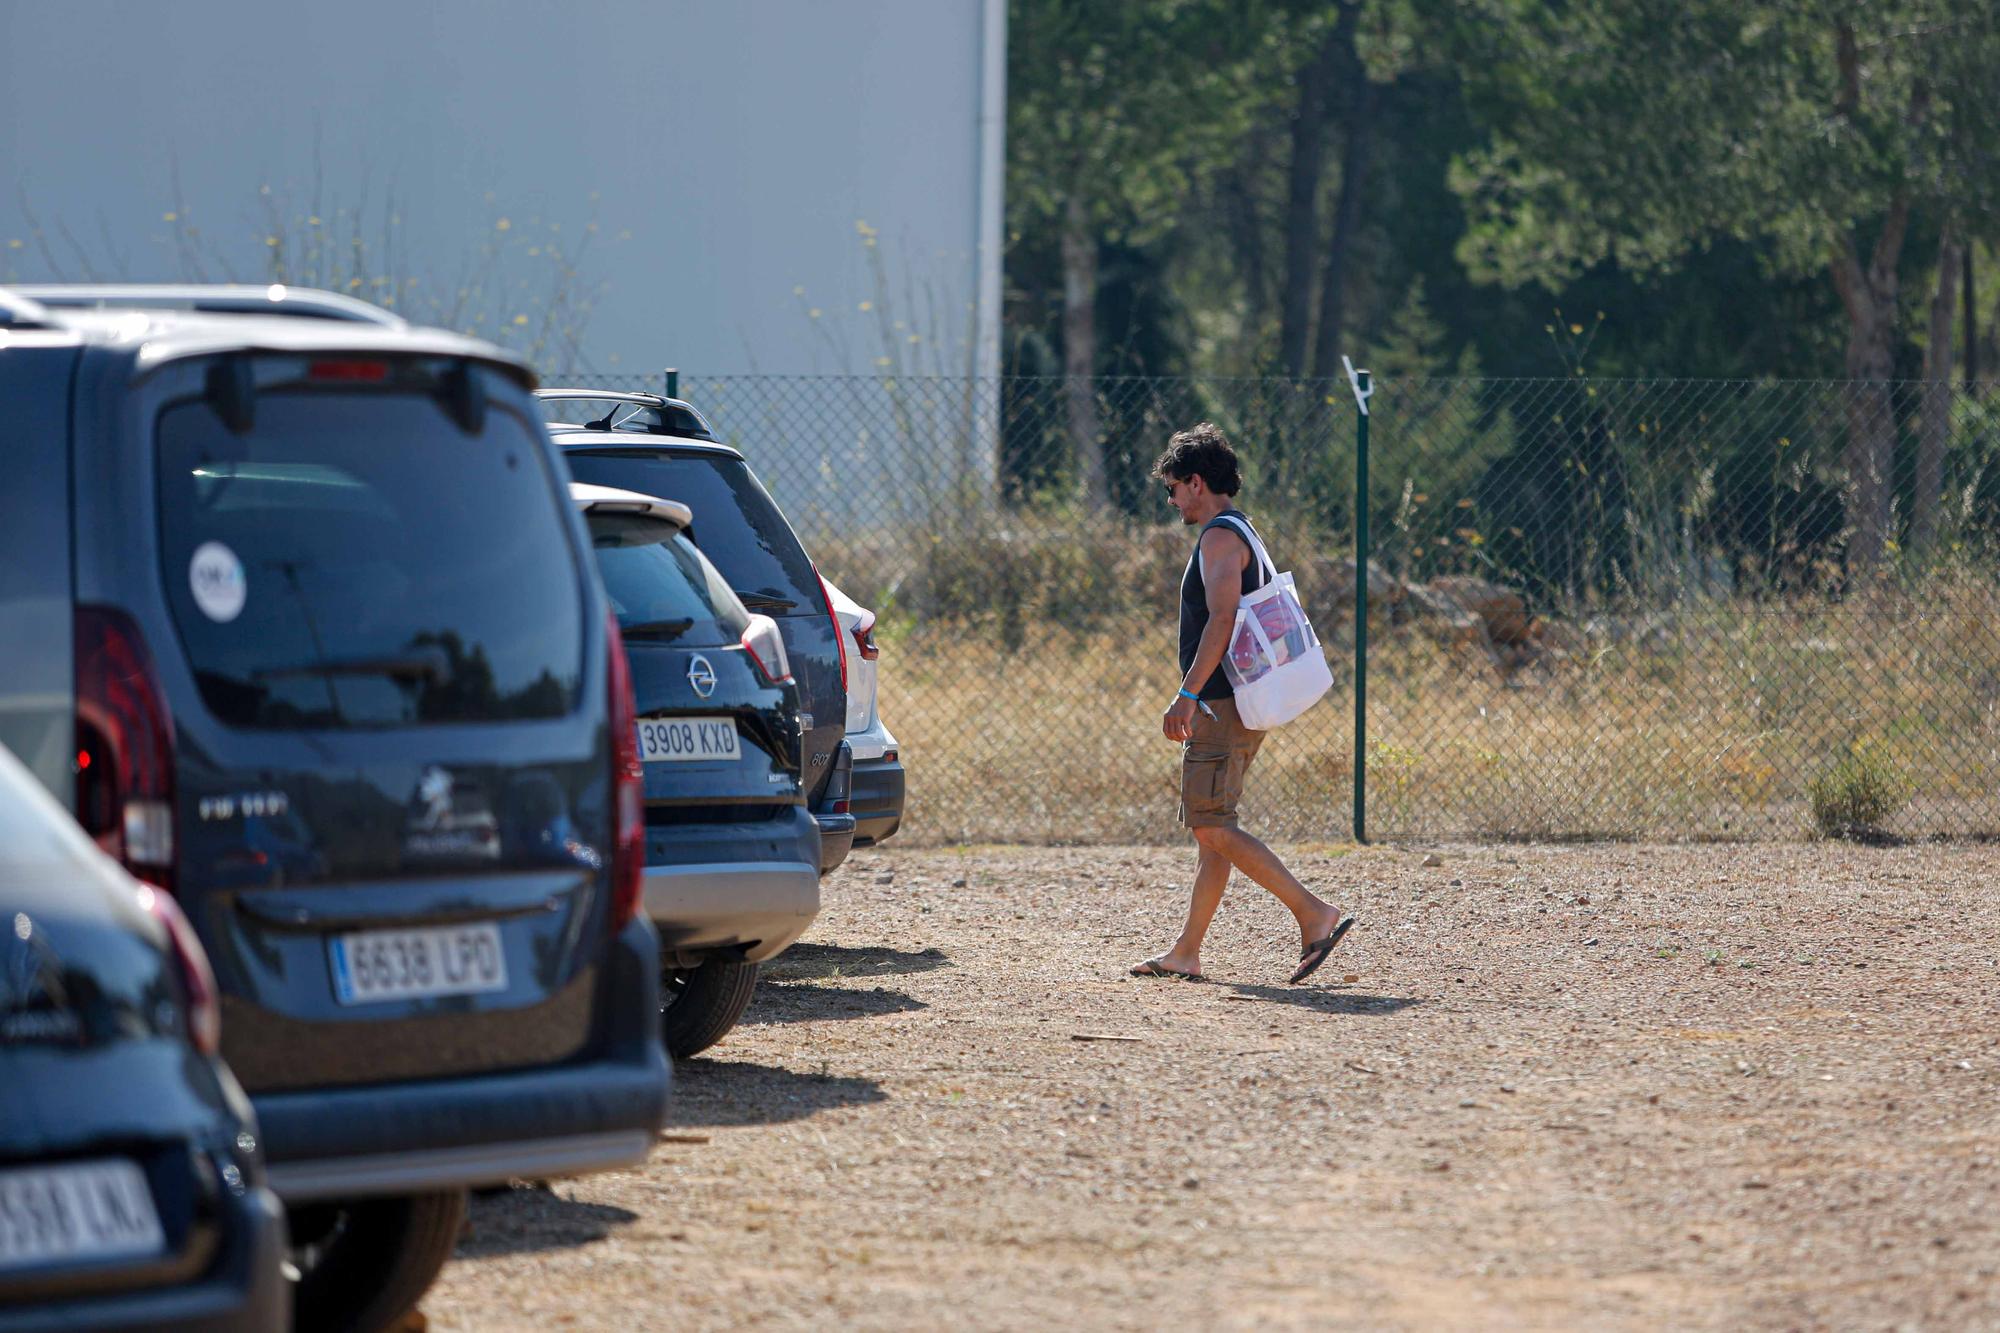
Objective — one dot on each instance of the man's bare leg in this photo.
(1211, 877)
(1315, 916)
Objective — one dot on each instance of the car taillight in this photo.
(766, 647)
(839, 638)
(204, 1005)
(864, 639)
(124, 746)
(628, 783)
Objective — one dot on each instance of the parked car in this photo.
(732, 853)
(877, 801)
(296, 616)
(132, 1190)
(662, 446)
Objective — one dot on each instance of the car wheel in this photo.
(699, 1004)
(364, 1264)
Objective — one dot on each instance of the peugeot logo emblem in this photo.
(702, 676)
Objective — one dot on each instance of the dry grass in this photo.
(1708, 722)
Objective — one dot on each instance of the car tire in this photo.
(698, 1005)
(365, 1263)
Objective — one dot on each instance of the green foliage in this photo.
(1862, 789)
(1433, 444)
(1113, 104)
(1687, 169)
(1640, 133)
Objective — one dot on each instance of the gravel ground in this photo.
(1602, 1086)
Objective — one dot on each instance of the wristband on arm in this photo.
(1199, 702)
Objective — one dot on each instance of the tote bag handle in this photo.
(1265, 568)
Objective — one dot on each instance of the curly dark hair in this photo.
(1202, 450)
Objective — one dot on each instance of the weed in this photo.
(1862, 789)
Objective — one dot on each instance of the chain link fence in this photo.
(1658, 609)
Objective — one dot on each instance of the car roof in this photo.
(594, 499)
(156, 337)
(607, 441)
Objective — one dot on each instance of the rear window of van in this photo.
(358, 561)
(736, 523)
(661, 587)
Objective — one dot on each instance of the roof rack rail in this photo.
(214, 298)
(18, 312)
(668, 416)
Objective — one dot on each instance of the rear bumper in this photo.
(836, 840)
(245, 1289)
(763, 905)
(878, 800)
(406, 1138)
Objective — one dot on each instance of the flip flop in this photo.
(1154, 968)
(1315, 953)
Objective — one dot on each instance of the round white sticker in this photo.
(215, 576)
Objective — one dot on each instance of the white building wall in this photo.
(742, 153)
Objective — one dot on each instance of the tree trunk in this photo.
(1302, 182)
(1869, 295)
(1346, 220)
(1079, 257)
(1245, 214)
(1938, 398)
(1971, 325)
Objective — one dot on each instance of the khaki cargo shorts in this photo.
(1213, 763)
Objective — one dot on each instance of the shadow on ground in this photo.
(737, 1092)
(522, 1218)
(827, 962)
(809, 1003)
(1326, 1001)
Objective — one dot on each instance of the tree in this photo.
(1112, 105)
(1645, 130)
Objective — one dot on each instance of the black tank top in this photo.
(1194, 602)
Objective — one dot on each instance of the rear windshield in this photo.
(736, 524)
(663, 590)
(359, 561)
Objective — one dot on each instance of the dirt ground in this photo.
(1538, 1087)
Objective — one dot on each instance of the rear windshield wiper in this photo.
(766, 601)
(427, 667)
(657, 629)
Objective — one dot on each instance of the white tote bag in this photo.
(1275, 662)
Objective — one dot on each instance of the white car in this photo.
(877, 802)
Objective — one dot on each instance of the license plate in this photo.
(373, 965)
(76, 1213)
(666, 740)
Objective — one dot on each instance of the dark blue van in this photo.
(296, 617)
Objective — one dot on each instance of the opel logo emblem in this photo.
(702, 676)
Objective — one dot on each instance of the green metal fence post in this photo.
(1363, 389)
(673, 382)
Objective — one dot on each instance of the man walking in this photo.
(1201, 476)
